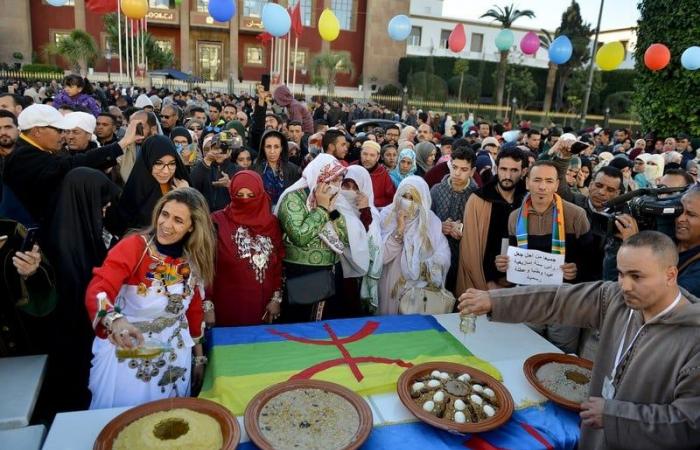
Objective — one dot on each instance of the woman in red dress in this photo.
(247, 288)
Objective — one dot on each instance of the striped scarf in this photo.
(558, 230)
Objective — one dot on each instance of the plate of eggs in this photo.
(455, 397)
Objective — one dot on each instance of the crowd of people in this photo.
(159, 214)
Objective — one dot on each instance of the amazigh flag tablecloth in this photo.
(366, 355)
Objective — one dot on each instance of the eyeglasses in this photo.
(195, 129)
(160, 165)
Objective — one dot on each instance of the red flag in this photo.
(297, 26)
(264, 38)
(102, 6)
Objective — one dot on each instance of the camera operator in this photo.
(606, 185)
(687, 234)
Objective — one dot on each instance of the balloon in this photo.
(328, 26)
(657, 56)
(399, 27)
(276, 19)
(221, 10)
(511, 136)
(504, 40)
(135, 9)
(458, 39)
(560, 50)
(530, 43)
(56, 2)
(610, 56)
(690, 59)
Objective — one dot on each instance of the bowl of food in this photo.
(175, 423)
(455, 397)
(563, 379)
(310, 415)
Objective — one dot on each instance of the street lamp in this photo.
(403, 99)
(514, 106)
(108, 57)
(607, 117)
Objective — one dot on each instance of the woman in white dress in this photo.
(416, 253)
(147, 300)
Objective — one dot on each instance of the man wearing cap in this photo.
(34, 170)
(78, 134)
(382, 185)
(486, 158)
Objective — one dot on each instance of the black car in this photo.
(367, 125)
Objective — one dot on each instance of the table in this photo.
(506, 346)
(25, 438)
(21, 378)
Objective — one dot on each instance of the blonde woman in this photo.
(148, 298)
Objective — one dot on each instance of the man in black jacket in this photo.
(35, 169)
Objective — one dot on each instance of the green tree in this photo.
(579, 32)
(78, 49)
(546, 39)
(521, 85)
(325, 68)
(576, 87)
(156, 56)
(668, 100)
(505, 17)
(461, 68)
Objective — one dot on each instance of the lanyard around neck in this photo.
(620, 354)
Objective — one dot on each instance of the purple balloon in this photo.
(530, 43)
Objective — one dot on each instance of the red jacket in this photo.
(384, 189)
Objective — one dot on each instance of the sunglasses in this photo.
(195, 128)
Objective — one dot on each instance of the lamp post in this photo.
(513, 108)
(404, 99)
(607, 117)
(108, 57)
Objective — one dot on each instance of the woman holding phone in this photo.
(158, 170)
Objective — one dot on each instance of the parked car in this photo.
(367, 125)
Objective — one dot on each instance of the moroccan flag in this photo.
(265, 38)
(102, 6)
(366, 355)
(297, 26)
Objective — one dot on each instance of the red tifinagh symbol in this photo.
(368, 328)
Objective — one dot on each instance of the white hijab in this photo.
(423, 241)
(358, 254)
(653, 173)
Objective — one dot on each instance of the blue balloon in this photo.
(399, 27)
(504, 39)
(690, 59)
(222, 10)
(276, 20)
(560, 50)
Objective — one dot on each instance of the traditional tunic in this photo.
(162, 297)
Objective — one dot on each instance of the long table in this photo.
(505, 346)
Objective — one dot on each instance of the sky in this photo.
(616, 13)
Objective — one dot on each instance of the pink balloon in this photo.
(530, 43)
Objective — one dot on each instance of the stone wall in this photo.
(381, 53)
(14, 31)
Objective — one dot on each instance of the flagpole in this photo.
(289, 54)
(133, 55)
(138, 47)
(119, 35)
(272, 56)
(145, 58)
(126, 42)
(294, 70)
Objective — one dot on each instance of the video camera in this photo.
(227, 141)
(652, 208)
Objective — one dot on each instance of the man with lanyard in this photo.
(645, 386)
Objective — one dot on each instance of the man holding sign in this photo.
(550, 225)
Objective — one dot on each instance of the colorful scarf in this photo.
(558, 230)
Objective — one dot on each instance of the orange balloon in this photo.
(657, 57)
(135, 9)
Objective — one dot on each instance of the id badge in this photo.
(608, 389)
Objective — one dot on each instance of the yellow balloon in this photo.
(610, 56)
(135, 9)
(328, 26)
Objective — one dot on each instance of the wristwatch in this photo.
(109, 319)
(207, 305)
(200, 360)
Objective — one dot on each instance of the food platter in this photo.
(534, 363)
(279, 415)
(230, 430)
(477, 391)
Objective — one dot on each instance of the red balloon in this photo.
(458, 39)
(657, 56)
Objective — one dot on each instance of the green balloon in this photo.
(504, 40)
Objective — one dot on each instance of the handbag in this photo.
(427, 301)
(312, 287)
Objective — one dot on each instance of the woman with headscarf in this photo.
(157, 170)
(425, 157)
(272, 163)
(405, 167)
(416, 253)
(319, 231)
(84, 196)
(240, 130)
(359, 195)
(408, 134)
(604, 159)
(247, 288)
(654, 169)
(211, 176)
(182, 138)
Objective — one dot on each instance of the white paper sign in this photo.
(534, 267)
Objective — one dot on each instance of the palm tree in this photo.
(505, 16)
(78, 48)
(546, 39)
(325, 67)
(157, 57)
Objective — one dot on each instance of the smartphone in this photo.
(139, 129)
(29, 240)
(265, 81)
(578, 146)
(459, 227)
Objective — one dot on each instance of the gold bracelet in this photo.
(200, 360)
(207, 305)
